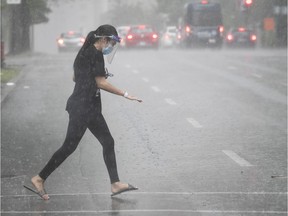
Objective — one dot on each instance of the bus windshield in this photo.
(206, 18)
(204, 15)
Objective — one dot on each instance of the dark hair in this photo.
(103, 30)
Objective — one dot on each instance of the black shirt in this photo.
(86, 98)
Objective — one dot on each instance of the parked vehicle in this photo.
(241, 37)
(169, 37)
(201, 25)
(142, 36)
(70, 41)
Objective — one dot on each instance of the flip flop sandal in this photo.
(130, 188)
(41, 194)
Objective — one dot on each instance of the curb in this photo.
(5, 90)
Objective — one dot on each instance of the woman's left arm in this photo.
(103, 84)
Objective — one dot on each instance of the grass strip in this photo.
(8, 74)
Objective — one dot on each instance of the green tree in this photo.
(20, 18)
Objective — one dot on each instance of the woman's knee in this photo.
(69, 146)
(108, 143)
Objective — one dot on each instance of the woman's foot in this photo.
(38, 183)
(119, 187)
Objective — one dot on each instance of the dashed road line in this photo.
(10, 84)
(236, 158)
(232, 68)
(135, 71)
(145, 79)
(155, 88)
(128, 66)
(256, 75)
(194, 123)
(170, 101)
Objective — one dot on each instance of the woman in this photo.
(84, 108)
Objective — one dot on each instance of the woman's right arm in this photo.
(103, 84)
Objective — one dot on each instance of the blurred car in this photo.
(122, 32)
(241, 37)
(169, 37)
(70, 41)
(142, 36)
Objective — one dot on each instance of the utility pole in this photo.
(245, 8)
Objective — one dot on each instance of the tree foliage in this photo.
(38, 11)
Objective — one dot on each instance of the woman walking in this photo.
(84, 108)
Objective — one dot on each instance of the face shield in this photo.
(112, 47)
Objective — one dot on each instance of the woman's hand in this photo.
(130, 97)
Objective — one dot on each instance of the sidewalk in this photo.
(22, 62)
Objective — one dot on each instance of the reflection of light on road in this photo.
(10, 84)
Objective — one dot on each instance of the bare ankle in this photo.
(37, 178)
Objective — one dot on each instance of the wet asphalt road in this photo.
(209, 139)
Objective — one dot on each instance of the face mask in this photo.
(107, 50)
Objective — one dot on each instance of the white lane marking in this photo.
(170, 101)
(10, 84)
(163, 193)
(235, 157)
(155, 88)
(135, 71)
(146, 210)
(257, 75)
(195, 123)
(128, 66)
(145, 79)
(232, 68)
(26, 87)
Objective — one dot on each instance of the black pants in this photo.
(76, 129)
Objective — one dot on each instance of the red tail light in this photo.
(241, 29)
(253, 38)
(82, 40)
(230, 37)
(129, 37)
(154, 36)
(204, 2)
(188, 29)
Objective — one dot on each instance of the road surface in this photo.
(210, 137)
